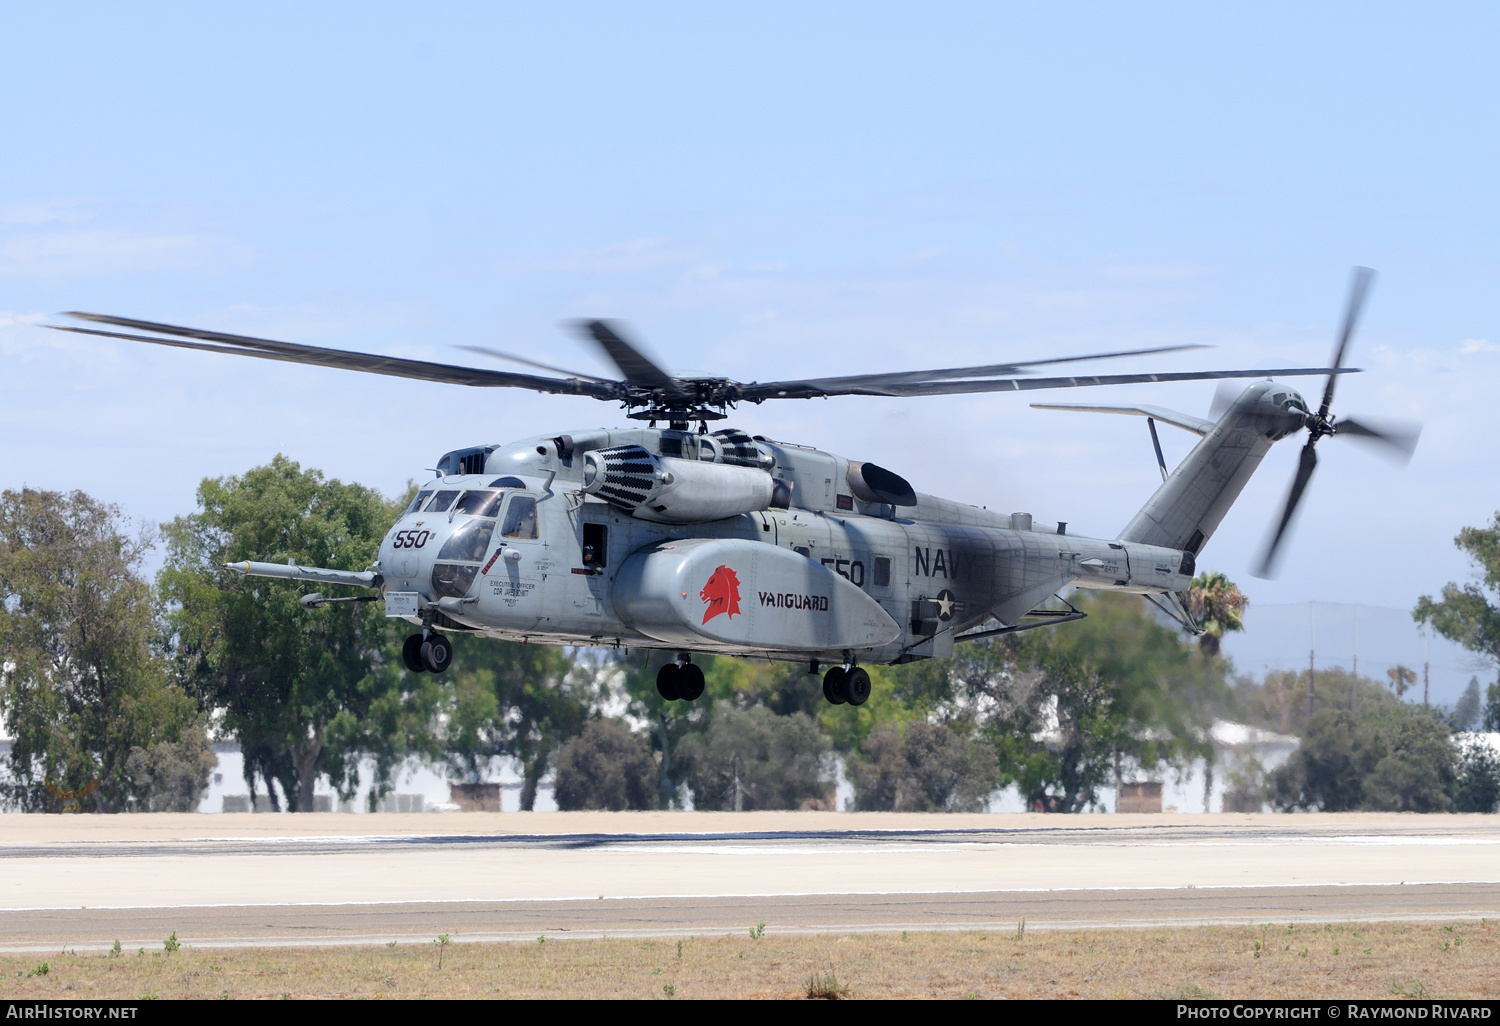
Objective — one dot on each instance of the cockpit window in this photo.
(507, 482)
(441, 501)
(479, 504)
(469, 543)
(520, 518)
(416, 503)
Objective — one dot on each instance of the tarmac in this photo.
(81, 881)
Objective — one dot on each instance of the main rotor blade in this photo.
(497, 354)
(987, 371)
(1358, 288)
(268, 349)
(634, 365)
(1224, 397)
(1307, 462)
(1398, 438)
(817, 388)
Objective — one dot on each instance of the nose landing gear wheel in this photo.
(689, 682)
(666, 682)
(437, 653)
(833, 686)
(856, 686)
(411, 654)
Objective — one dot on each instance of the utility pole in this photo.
(1312, 659)
(1356, 641)
(1354, 685)
(1424, 668)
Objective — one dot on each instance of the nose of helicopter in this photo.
(401, 554)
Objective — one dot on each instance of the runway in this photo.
(82, 881)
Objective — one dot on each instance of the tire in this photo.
(689, 682)
(833, 686)
(411, 654)
(856, 686)
(437, 653)
(666, 682)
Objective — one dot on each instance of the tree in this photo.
(172, 776)
(1466, 614)
(605, 767)
(784, 688)
(1402, 678)
(929, 768)
(753, 759)
(1062, 705)
(1478, 785)
(1469, 711)
(84, 685)
(512, 700)
(1219, 608)
(1400, 759)
(1279, 701)
(305, 691)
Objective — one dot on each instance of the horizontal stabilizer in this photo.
(1186, 421)
(293, 572)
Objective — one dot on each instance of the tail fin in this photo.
(1187, 508)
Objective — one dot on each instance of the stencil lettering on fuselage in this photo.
(930, 562)
(512, 592)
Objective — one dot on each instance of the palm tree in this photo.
(1402, 678)
(1218, 605)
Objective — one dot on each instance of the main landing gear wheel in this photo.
(690, 682)
(856, 686)
(833, 685)
(679, 680)
(666, 682)
(437, 653)
(411, 654)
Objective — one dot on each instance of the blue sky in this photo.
(763, 191)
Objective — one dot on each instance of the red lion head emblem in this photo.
(722, 593)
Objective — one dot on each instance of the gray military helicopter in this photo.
(692, 540)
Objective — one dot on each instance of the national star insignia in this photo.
(947, 603)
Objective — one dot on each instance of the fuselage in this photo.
(513, 546)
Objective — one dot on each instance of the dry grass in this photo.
(1349, 960)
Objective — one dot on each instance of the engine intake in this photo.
(876, 484)
(677, 491)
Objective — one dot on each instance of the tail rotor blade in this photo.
(1396, 438)
(1306, 464)
(1359, 287)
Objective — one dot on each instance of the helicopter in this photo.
(687, 539)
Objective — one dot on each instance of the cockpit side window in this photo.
(441, 501)
(520, 518)
(416, 503)
(479, 504)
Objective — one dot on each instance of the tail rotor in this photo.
(1397, 439)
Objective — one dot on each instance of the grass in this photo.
(1460, 959)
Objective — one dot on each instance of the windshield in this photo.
(441, 501)
(480, 504)
(470, 542)
(416, 503)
